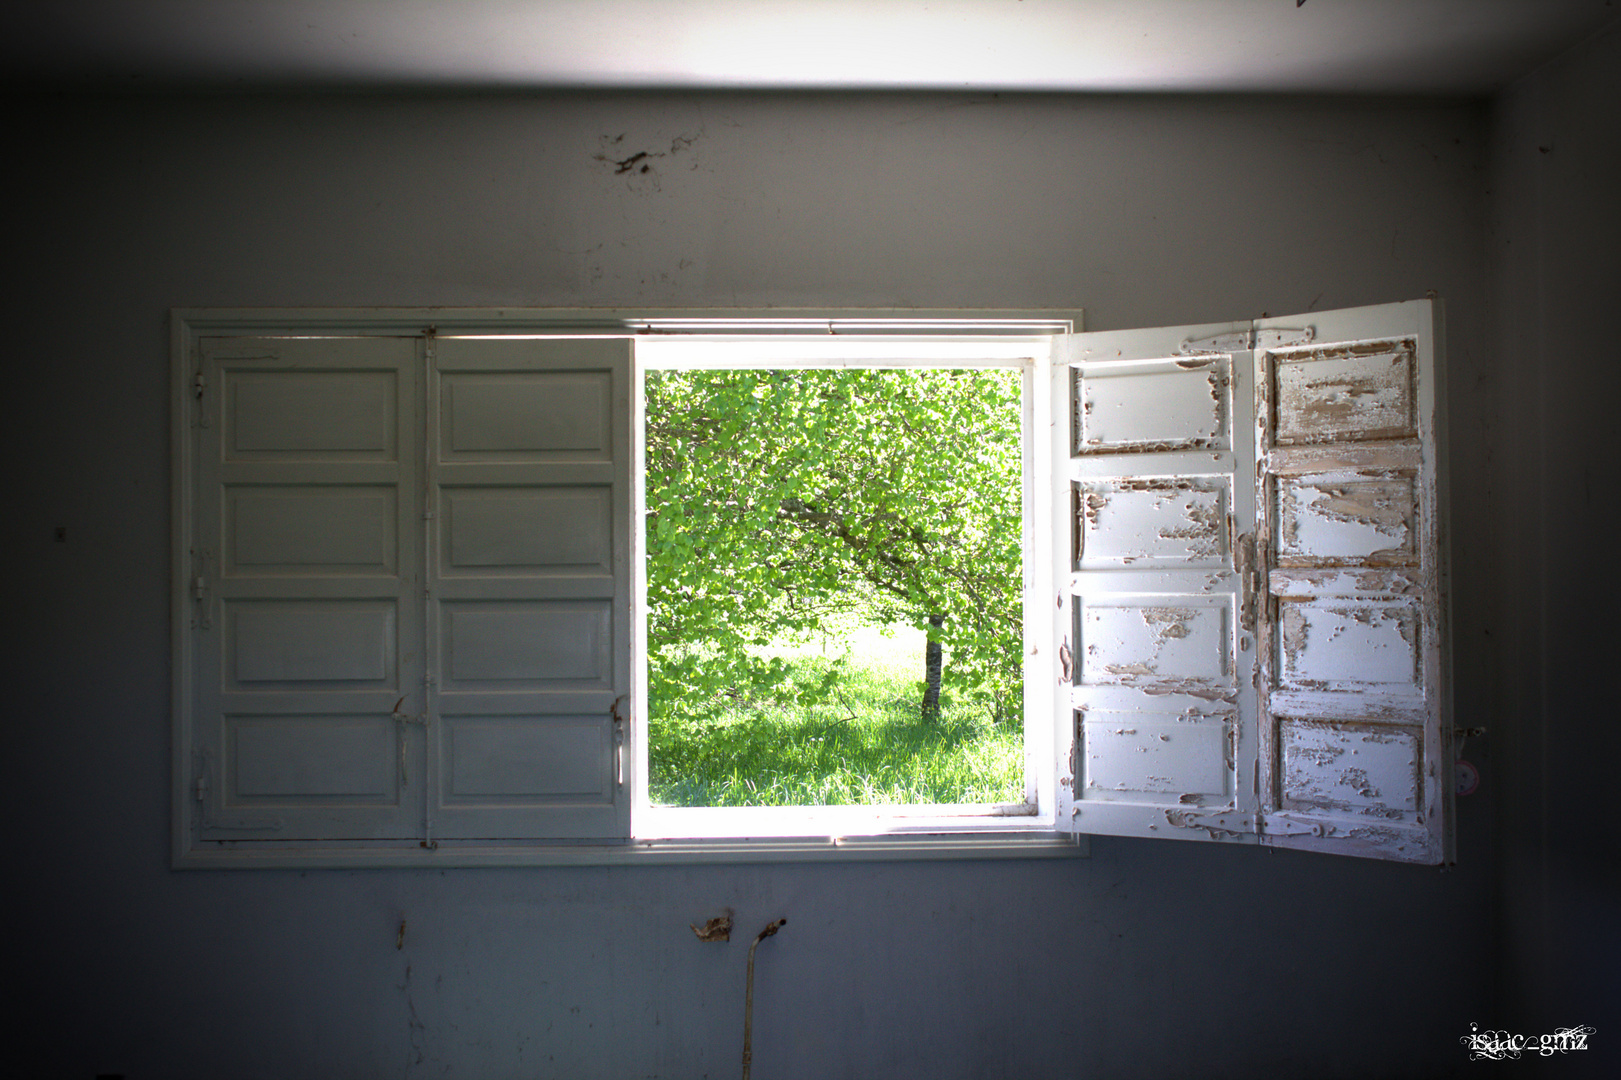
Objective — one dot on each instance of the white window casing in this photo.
(407, 627)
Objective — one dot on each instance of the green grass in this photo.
(864, 745)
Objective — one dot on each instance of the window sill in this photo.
(995, 840)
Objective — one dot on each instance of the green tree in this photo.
(781, 501)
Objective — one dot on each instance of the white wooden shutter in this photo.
(1355, 729)
(1154, 511)
(306, 623)
(1253, 632)
(529, 587)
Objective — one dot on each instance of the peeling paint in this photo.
(1359, 391)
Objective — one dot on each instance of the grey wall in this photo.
(1556, 249)
(1150, 959)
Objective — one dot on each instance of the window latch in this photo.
(619, 739)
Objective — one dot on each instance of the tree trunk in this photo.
(933, 662)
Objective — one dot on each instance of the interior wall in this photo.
(1556, 249)
(1148, 959)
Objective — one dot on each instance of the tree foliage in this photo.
(781, 503)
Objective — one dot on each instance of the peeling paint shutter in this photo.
(528, 586)
(1254, 635)
(1355, 724)
(307, 625)
(1155, 524)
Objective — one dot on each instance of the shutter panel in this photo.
(529, 586)
(1153, 513)
(307, 627)
(1355, 723)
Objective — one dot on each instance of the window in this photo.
(992, 347)
(406, 578)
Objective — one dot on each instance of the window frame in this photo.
(864, 351)
(1338, 830)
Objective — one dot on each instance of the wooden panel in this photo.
(1180, 403)
(518, 644)
(1155, 758)
(526, 416)
(1165, 637)
(342, 415)
(1180, 522)
(1346, 644)
(287, 529)
(279, 758)
(518, 759)
(1350, 769)
(1339, 519)
(315, 641)
(1344, 392)
(527, 530)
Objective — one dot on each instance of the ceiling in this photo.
(1468, 47)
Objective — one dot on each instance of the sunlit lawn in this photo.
(865, 744)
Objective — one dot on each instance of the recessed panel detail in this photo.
(529, 530)
(527, 416)
(527, 759)
(310, 530)
(1338, 519)
(1350, 769)
(1343, 392)
(1160, 639)
(1155, 758)
(305, 415)
(275, 643)
(517, 644)
(299, 758)
(1176, 523)
(1172, 404)
(1348, 644)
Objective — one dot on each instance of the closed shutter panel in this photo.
(529, 586)
(1355, 727)
(1154, 510)
(307, 625)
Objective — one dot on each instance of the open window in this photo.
(407, 577)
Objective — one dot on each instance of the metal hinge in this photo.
(199, 592)
(1248, 571)
(199, 383)
(201, 788)
(1242, 340)
(1277, 826)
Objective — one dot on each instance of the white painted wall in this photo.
(1146, 960)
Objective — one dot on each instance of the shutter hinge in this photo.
(1249, 581)
(199, 593)
(1279, 338)
(1279, 826)
(199, 383)
(1241, 340)
(201, 788)
(1233, 341)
